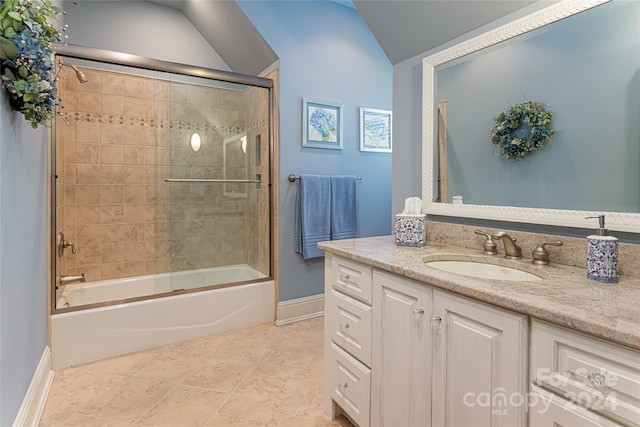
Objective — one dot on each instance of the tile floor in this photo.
(258, 376)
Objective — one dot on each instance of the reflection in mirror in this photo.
(590, 81)
(235, 164)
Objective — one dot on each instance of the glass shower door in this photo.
(161, 180)
(212, 179)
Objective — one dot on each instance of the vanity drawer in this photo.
(548, 409)
(350, 385)
(349, 325)
(596, 374)
(352, 278)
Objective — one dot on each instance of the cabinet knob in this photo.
(435, 320)
(417, 311)
(344, 277)
(345, 385)
(597, 380)
(345, 326)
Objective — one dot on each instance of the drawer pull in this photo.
(417, 311)
(345, 326)
(344, 277)
(597, 380)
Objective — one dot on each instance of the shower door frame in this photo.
(146, 63)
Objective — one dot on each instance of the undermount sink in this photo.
(482, 270)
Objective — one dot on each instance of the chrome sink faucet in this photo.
(511, 249)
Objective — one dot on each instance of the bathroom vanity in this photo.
(407, 344)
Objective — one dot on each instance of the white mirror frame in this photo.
(568, 218)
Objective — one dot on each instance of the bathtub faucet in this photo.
(65, 280)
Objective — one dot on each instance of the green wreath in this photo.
(522, 129)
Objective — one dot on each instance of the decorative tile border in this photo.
(153, 123)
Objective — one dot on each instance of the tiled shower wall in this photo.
(124, 134)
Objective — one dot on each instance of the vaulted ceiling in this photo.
(229, 32)
(403, 28)
(406, 28)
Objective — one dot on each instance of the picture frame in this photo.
(375, 130)
(321, 124)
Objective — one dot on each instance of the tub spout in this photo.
(65, 280)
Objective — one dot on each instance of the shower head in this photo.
(79, 74)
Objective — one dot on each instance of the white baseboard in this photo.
(299, 309)
(36, 397)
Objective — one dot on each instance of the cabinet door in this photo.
(480, 364)
(401, 357)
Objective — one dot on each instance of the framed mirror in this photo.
(588, 76)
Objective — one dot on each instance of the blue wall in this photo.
(407, 113)
(595, 110)
(23, 257)
(326, 52)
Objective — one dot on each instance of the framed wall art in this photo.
(321, 124)
(375, 130)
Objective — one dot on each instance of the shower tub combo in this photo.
(171, 222)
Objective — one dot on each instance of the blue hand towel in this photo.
(344, 207)
(313, 215)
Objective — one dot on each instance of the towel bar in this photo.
(240, 181)
(293, 178)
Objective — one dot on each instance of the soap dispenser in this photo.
(602, 255)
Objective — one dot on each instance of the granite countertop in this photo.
(564, 296)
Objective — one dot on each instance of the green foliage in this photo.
(27, 29)
(8, 50)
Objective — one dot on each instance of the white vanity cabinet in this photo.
(586, 378)
(479, 363)
(347, 339)
(401, 352)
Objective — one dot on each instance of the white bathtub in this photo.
(97, 333)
